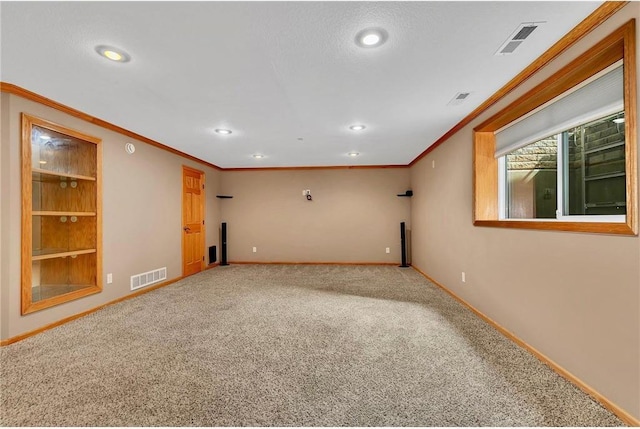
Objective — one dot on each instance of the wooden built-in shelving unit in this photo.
(61, 222)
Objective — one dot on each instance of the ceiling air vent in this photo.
(523, 31)
(458, 98)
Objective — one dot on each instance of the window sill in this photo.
(553, 225)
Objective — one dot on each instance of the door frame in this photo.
(203, 205)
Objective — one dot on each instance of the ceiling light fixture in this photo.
(258, 156)
(371, 37)
(353, 154)
(357, 127)
(222, 131)
(113, 54)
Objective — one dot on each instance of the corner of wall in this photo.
(4, 210)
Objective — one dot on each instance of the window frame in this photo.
(489, 207)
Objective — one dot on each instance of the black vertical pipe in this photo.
(223, 249)
(403, 244)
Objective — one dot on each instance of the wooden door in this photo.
(192, 221)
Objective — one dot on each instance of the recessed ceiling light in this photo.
(357, 127)
(618, 120)
(371, 37)
(223, 131)
(258, 156)
(353, 154)
(113, 54)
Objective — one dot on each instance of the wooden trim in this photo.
(84, 313)
(615, 409)
(309, 263)
(485, 179)
(631, 132)
(327, 167)
(32, 96)
(24, 93)
(592, 227)
(61, 299)
(620, 44)
(99, 254)
(59, 128)
(604, 12)
(27, 216)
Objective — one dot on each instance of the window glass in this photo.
(595, 174)
(592, 168)
(532, 175)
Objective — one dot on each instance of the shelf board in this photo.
(50, 213)
(74, 285)
(39, 255)
(604, 176)
(38, 173)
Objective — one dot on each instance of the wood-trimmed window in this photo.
(618, 47)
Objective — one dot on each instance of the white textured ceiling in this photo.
(274, 72)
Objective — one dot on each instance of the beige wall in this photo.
(355, 214)
(575, 297)
(4, 207)
(141, 214)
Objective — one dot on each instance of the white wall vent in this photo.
(514, 41)
(458, 98)
(150, 277)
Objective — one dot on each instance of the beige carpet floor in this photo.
(261, 345)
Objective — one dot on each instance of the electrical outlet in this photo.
(255, 249)
(464, 277)
(109, 278)
(388, 250)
